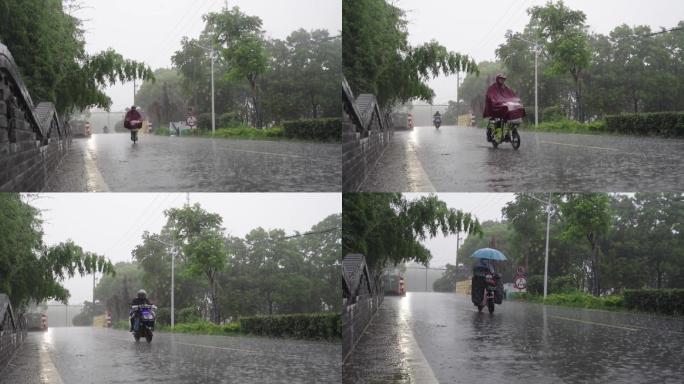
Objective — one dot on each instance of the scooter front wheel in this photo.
(148, 336)
(515, 139)
(490, 305)
(479, 308)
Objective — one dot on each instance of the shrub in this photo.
(665, 301)
(553, 113)
(305, 326)
(189, 315)
(535, 284)
(585, 300)
(245, 132)
(163, 316)
(561, 284)
(661, 123)
(314, 129)
(572, 126)
(227, 120)
(204, 121)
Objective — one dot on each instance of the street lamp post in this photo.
(537, 51)
(549, 212)
(173, 276)
(213, 114)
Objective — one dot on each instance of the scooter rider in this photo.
(133, 115)
(437, 117)
(141, 299)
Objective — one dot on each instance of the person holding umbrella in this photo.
(481, 269)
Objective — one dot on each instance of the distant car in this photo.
(409, 121)
(36, 321)
(80, 128)
(394, 285)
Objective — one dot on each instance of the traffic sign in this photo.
(191, 121)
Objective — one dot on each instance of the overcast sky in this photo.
(478, 27)
(112, 224)
(484, 206)
(155, 32)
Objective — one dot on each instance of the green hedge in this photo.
(314, 129)
(662, 123)
(665, 301)
(305, 326)
(569, 126)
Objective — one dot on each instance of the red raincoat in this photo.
(131, 116)
(497, 95)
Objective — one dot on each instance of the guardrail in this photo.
(362, 294)
(33, 139)
(12, 331)
(366, 132)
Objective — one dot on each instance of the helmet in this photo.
(142, 294)
(134, 107)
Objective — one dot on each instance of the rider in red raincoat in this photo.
(497, 95)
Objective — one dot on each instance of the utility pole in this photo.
(187, 199)
(135, 90)
(213, 105)
(458, 104)
(546, 253)
(537, 51)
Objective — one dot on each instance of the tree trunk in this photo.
(578, 93)
(596, 288)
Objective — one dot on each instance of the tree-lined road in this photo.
(94, 355)
(440, 337)
(112, 163)
(459, 159)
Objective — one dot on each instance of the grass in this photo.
(577, 300)
(242, 132)
(569, 126)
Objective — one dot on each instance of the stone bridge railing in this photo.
(362, 295)
(366, 131)
(33, 140)
(12, 331)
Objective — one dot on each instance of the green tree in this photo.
(563, 33)
(242, 47)
(48, 45)
(201, 235)
(378, 59)
(31, 270)
(587, 216)
(388, 229)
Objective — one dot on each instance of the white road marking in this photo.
(94, 180)
(419, 181)
(48, 371)
(591, 147)
(596, 323)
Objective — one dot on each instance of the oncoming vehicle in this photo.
(143, 321)
(36, 321)
(505, 112)
(501, 130)
(394, 285)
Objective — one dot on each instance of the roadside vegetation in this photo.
(312, 326)
(260, 81)
(266, 281)
(605, 250)
(586, 77)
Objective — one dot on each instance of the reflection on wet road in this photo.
(519, 343)
(111, 163)
(93, 355)
(459, 159)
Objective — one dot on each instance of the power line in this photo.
(665, 31)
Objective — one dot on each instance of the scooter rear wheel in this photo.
(136, 336)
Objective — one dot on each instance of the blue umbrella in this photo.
(488, 253)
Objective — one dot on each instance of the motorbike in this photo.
(143, 321)
(489, 299)
(437, 122)
(505, 130)
(135, 127)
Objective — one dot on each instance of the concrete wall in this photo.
(12, 331)
(362, 296)
(366, 132)
(33, 140)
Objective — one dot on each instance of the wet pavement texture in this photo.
(110, 162)
(458, 159)
(520, 343)
(95, 355)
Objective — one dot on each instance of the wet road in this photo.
(111, 163)
(440, 337)
(95, 355)
(458, 159)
